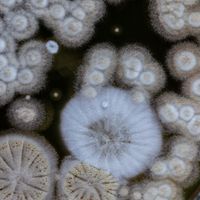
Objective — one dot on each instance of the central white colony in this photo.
(112, 132)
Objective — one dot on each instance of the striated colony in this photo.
(28, 166)
(80, 181)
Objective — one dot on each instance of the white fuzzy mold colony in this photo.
(176, 19)
(179, 165)
(110, 130)
(28, 167)
(183, 60)
(138, 68)
(81, 181)
(72, 21)
(180, 114)
(107, 127)
(27, 114)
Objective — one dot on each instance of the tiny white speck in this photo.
(104, 104)
(52, 47)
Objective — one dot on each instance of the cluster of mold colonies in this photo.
(179, 165)
(177, 19)
(81, 181)
(22, 71)
(134, 65)
(72, 21)
(180, 115)
(161, 190)
(28, 167)
(106, 126)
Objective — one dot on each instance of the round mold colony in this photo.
(81, 181)
(21, 24)
(114, 2)
(106, 132)
(27, 114)
(183, 60)
(28, 167)
(175, 20)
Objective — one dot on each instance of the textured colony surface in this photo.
(107, 132)
(79, 181)
(176, 19)
(27, 114)
(23, 72)
(27, 168)
(114, 129)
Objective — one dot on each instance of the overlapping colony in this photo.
(28, 114)
(107, 127)
(113, 133)
(116, 129)
(71, 21)
(28, 167)
(176, 19)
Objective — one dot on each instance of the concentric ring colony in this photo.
(91, 126)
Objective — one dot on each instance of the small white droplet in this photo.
(52, 47)
(104, 104)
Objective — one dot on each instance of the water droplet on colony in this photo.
(104, 104)
(52, 47)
